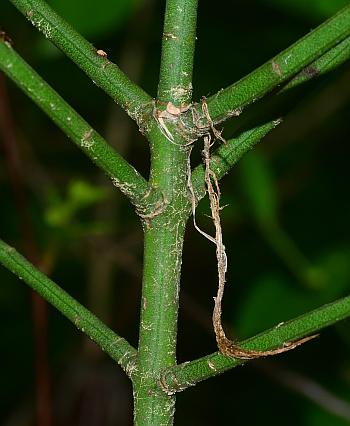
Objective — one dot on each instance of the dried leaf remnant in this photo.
(225, 345)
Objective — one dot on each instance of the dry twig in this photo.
(225, 345)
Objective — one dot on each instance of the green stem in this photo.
(179, 36)
(188, 374)
(115, 346)
(103, 72)
(225, 157)
(123, 175)
(279, 69)
(164, 233)
(159, 309)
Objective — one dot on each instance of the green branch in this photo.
(279, 69)
(164, 237)
(225, 157)
(189, 373)
(123, 175)
(103, 72)
(179, 36)
(115, 346)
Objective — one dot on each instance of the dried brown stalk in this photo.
(225, 345)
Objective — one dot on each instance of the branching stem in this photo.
(115, 346)
(122, 174)
(281, 68)
(164, 233)
(171, 123)
(103, 72)
(189, 373)
(227, 155)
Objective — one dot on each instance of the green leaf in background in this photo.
(315, 416)
(93, 18)
(314, 9)
(61, 212)
(259, 188)
(335, 266)
(269, 301)
(83, 194)
(273, 299)
(58, 213)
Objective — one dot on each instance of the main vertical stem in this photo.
(179, 37)
(162, 267)
(164, 233)
(158, 328)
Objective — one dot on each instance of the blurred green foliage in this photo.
(314, 9)
(271, 299)
(95, 20)
(257, 183)
(63, 213)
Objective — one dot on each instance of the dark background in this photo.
(286, 224)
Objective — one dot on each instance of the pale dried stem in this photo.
(225, 345)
